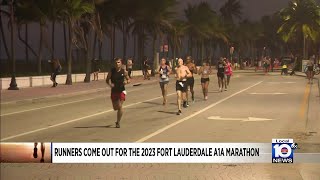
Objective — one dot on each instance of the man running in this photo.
(182, 73)
(220, 73)
(118, 93)
(205, 71)
(190, 81)
(164, 72)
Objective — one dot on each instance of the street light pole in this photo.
(13, 83)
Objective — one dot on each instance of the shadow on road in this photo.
(167, 112)
(84, 127)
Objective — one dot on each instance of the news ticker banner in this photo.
(278, 151)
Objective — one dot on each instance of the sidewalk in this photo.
(44, 92)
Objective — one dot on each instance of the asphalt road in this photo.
(256, 108)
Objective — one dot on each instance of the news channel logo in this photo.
(282, 150)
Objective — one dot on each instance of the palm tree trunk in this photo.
(52, 41)
(190, 46)
(134, 46)
(155, 61)
(69, 78)
(124, 36)
(100, 50)
(40, 49)
(88, 60)
(113, 40)
(26, 47)
(4, 39)
(65, 42)
(13, 83)
(304, 46)
(94, 46)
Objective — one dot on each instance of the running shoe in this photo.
(179, 112)
(117, 125)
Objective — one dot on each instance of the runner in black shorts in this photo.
(205, 71)
(193, 69)
(220, 74)
(182, 73)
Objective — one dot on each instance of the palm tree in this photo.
(150, 18)
(13, 84)
(203, 25)
(300, 19)
(73, 10)
(231, 10)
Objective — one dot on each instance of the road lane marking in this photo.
(305, 100)
(248, 119)
(43, 107)
(78, 119)
(277, 93)
(192, 115)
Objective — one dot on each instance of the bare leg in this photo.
(206, 87)
(120, 111)
(203, 90)
(165, 93)
(228, 80)
(179, 100)
(35, 150)
(42, 152)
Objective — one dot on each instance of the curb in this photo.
(32, 100)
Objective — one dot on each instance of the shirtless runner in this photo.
(182, 73)
(190, 80)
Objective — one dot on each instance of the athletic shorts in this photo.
(163, 83)
(310, 68)
(220, 75)
(115, 96)
(190, 81)
(182, 88)
(204, 80)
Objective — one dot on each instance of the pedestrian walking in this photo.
(182, 73)
(56, 69)
(164, 72)
(118, 75)
(205, 71)
(146, 68)
(129, 67)
(96, 69)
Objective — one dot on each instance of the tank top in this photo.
(220, 67)
(117, 78)
(164, 76)
(205, 71)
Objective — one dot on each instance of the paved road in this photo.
(290, 105)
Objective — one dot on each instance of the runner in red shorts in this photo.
(117, 75)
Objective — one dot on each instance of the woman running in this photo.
(228, 73)
(164, 72)
(205, 71)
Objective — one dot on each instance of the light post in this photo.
(13, 83)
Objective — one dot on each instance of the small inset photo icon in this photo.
(25, 152)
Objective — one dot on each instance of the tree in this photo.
(73, 10)
(301, 20)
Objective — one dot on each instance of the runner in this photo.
(310, 71)
(118, 93)
(164, 72)
(190, 81)
(182, 73)
(205, 71)
(129, 67)
(35, 151)
(220, 73)
(228, 73)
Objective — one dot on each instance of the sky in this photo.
(252, 10)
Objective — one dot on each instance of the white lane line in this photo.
(43, 107)
(77, 119)
(192, 115)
